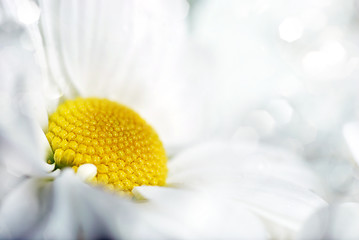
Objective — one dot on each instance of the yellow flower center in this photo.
(125, 149)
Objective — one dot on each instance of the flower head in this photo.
(124, 148)
(94, 57)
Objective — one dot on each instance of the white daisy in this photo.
(126, 51)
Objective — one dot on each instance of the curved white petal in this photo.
(23, 145)
(91, 44)
(8, 181)
(186, 214)
(222, 159)
(21, 209)
(275, 185)
(277, 201)
(21, 85)
(67, 208)
(333, 222)
(78, 210)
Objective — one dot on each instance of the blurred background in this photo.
(281, 72)
(290, 69)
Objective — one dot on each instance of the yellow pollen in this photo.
(125, 149)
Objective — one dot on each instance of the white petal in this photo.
(274, 184)
(67, 208)
(333, 222)
(61, 219)
(21, 209)
(80, 210)
(91, 44)
(23, 145)
(277, 201)
(8, 181)
(64, 215)
(212, 160)
(21, 76)
(187, 214)
(351, 134)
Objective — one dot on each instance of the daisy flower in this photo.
(112, 174)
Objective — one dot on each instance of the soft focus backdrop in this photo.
(290, 69)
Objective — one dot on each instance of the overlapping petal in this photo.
(188, 214)
(224, 159)
(274, 184)
(68, 208)
(22, 142)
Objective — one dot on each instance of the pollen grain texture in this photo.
(125, 149)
